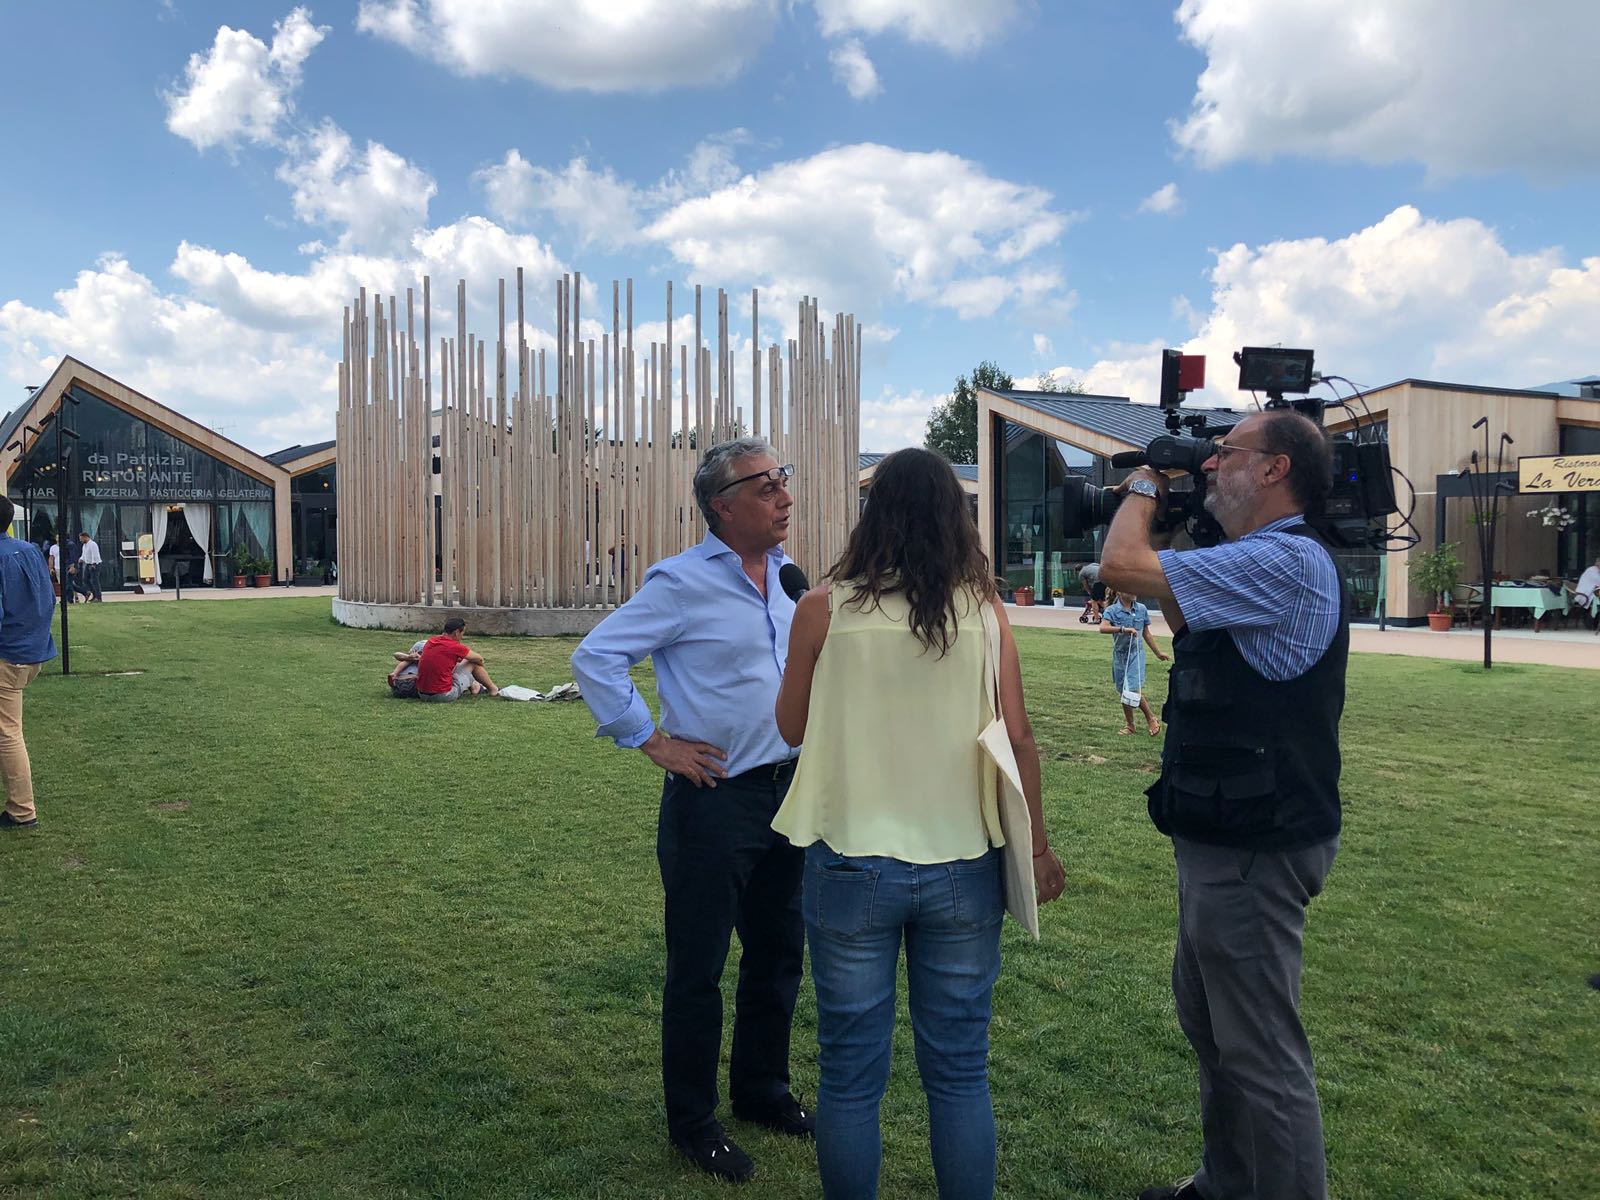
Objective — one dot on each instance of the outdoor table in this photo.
(1531, 596)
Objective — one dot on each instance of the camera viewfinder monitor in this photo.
(1269, 369)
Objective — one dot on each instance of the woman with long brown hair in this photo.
(886, 684)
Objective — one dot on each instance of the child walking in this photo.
(1127, 621)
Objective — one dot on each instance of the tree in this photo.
(1049, 383)
(953, 425)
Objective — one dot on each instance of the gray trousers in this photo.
(1236, 979)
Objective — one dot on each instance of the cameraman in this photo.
(1249, 787)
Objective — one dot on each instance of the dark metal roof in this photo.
(967, 471)
(290, 453)
(1115, 416)
(13, 421)
(1473, 388)
(1570, 387)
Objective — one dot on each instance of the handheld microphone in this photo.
(793, 581)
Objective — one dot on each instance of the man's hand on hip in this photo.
(701, 763)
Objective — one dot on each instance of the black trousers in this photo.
(723, 868)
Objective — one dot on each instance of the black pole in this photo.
(61, 538)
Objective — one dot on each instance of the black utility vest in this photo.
(1249, 762)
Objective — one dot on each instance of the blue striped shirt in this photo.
(719, 649)
(1275, 592)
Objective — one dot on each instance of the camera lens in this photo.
(1084, 506)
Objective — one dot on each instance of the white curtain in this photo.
(158, 529)
(199, 518)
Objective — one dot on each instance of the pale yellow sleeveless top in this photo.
(891, 764)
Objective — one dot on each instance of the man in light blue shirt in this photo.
(715, 622)
(27, 602)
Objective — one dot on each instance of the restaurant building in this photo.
(1030, 442)
(165, 497)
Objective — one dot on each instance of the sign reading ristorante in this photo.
(1559, 473)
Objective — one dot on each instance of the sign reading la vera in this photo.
(1559, 473)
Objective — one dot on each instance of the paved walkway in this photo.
(1576, 647)
(223, 593)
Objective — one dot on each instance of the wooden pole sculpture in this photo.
(508, 496)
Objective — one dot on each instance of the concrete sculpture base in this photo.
(493, 622)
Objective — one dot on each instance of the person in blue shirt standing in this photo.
(715, 622)
(27, 602)
(1127, 621)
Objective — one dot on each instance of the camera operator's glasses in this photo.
(778, 475)
(1223, 449)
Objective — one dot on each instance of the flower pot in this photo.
(1440, 622)
(263, 581)
(238, 581)
(1024, 597)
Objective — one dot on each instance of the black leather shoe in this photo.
(787, 1117)
(1184, 1189)
(7, 821)
(715, 1153)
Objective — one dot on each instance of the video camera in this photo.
(1362, 488)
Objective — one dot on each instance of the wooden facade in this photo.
(560, 474)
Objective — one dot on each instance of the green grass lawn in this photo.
(277, 934)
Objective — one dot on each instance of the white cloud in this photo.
(1042, 346)
(891, 420)
(865, 224)
(1164, 201)
(1458, 85)
(592, 45)
(953, 25)
(1406, 296)
(279, 330)
(375, 196)
(594, 204)
(241, 88)
(854, 70)
(711, 165)
(186, 353)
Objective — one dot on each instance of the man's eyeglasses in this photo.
(778, 475)
(1223, 449)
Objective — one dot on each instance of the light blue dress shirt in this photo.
(718, 647)
(1276, 593)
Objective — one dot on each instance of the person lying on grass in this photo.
(402, 680)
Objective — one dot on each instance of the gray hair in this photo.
(716, 471)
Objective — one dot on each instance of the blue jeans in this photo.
(856, 910)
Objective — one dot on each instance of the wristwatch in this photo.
(1144, 487)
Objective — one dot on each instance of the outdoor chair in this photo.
(1466, 601)
(1584, 613)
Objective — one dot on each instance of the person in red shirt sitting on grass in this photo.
(449, 669)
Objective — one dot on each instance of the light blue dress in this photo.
(1127, 653)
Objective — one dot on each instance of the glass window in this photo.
(1577, 440)
(321, 482)
(1024, 463)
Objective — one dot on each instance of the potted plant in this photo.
(239, 557)
(1058, 597)
(262, 568)
(1436, 572)
(1025, 596)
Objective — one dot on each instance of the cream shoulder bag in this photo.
(1022, 901)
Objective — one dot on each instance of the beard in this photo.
(1230, 498)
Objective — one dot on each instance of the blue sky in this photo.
(1066, 186)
